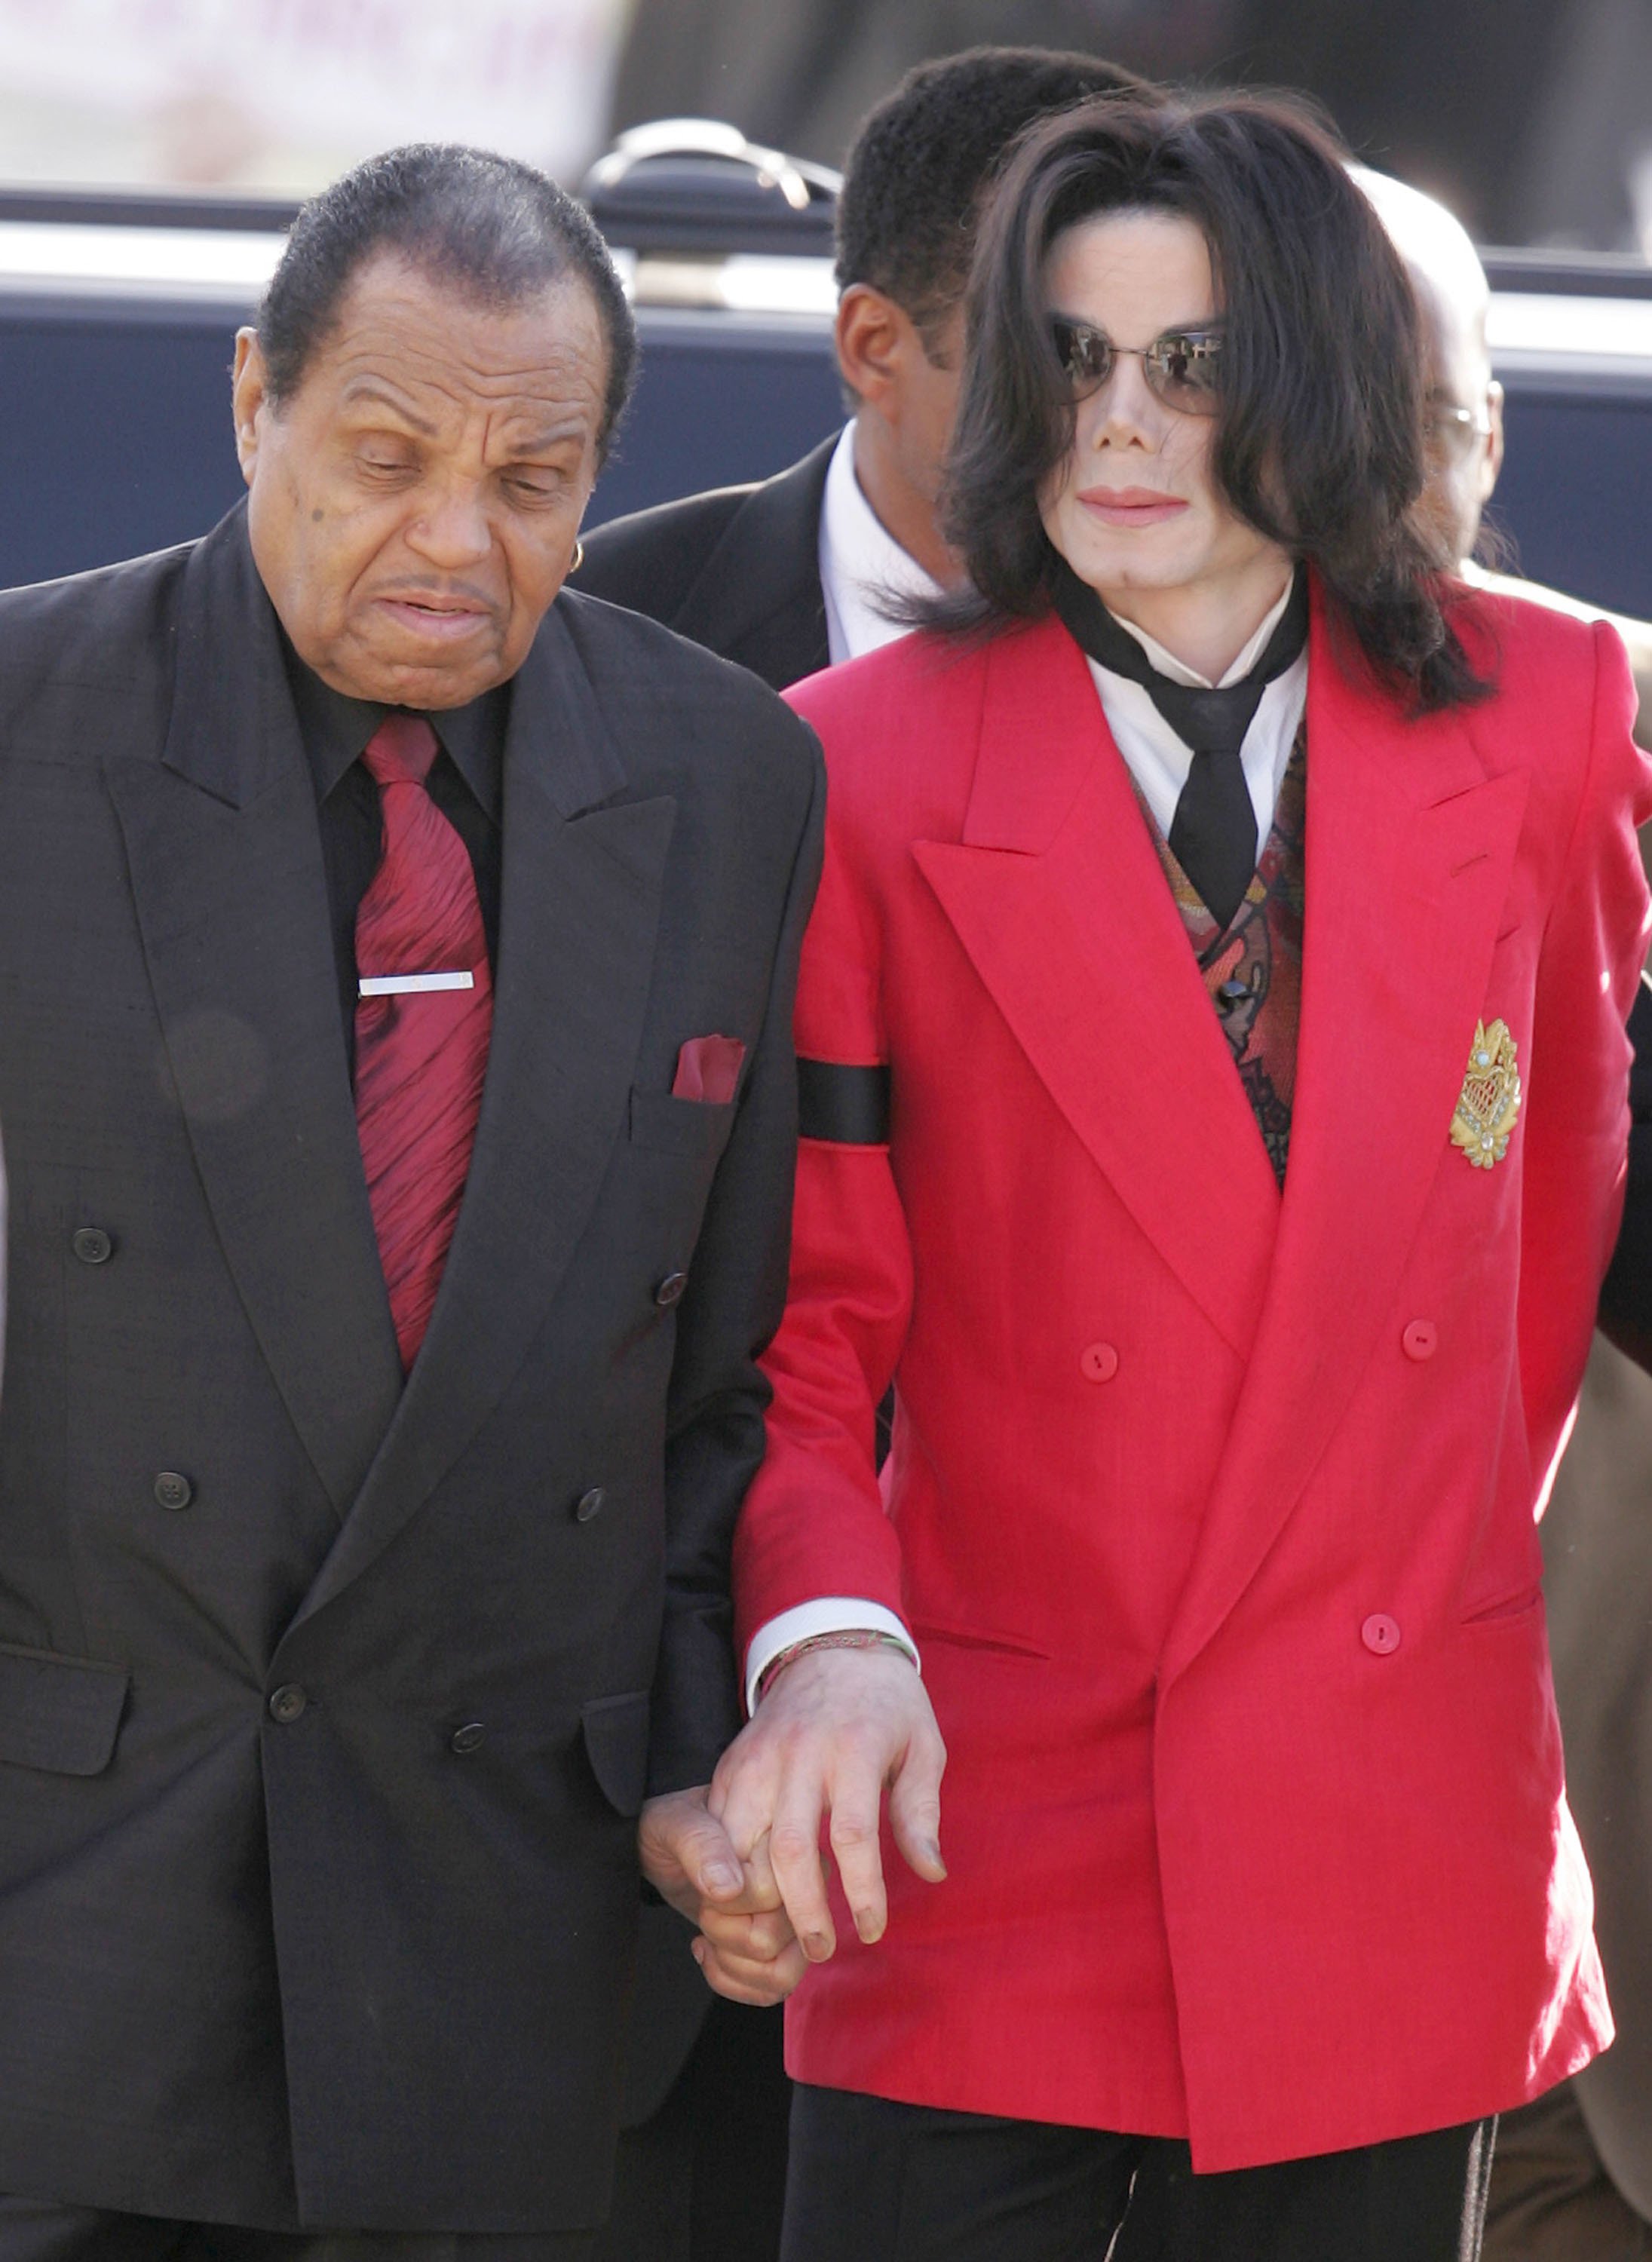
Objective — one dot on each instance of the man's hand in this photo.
(746, 1947)
(834, 1727)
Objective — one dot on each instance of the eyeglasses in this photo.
(1452, 431)
(1183, 369)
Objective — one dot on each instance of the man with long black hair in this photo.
(1214, 1103)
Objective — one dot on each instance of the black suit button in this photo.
(670, 1289)
(92, 1245)
(288, 1703)
(470, 1738)
(172, 1490)
(589, 1504)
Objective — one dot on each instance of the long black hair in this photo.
(1318, 439)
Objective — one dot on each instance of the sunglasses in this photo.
(1183, 369)
(1453, 433)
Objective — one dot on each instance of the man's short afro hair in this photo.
(913, 180)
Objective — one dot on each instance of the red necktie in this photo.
(420, 1054)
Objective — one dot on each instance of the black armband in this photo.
(849, 1105)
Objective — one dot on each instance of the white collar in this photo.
(1178, 672)
(861, 563)
(1159, 760)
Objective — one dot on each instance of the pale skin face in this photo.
(907, 388)
(416, 501)
(1133, 508)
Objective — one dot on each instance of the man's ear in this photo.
(1494, 445)
(875, 337)
(249, 397)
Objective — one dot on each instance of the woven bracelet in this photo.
(851, 1638)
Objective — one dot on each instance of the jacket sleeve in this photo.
(1578, 1091)
(714, 1438)
(813, 1523)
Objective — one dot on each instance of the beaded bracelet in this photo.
(852, 1637)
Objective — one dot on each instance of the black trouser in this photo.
(874, 2181)
(705, 2179)
(42, 2230)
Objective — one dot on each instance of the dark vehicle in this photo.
(118, 313)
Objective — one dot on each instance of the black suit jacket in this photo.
(277, 1945)
(1626, 1295)
(737, 569)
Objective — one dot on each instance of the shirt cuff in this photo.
(831, 1614)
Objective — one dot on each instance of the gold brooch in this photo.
(1490, 1099)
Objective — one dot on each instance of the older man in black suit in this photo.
(398, 1109)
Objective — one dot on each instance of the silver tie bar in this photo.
(412, 985)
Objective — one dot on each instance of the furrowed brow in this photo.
(377, 395)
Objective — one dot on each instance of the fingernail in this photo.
(722, 1877)
(868, 1926)
(932, 1848)
(697, 1949)
(815, 1946)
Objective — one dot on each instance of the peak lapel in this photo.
(227, 876)
(1057, 896)
(578, 910)
(1408, 853)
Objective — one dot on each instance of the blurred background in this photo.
(152, 152)
(1533, 119)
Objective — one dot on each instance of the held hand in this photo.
(746, 1947)
(834, 1727)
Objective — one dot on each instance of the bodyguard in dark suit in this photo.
(786, 577)
(342, 1637)
(738, 570)
(775, 575)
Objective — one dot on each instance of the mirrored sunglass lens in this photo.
(1085, 354)
(1184, 368)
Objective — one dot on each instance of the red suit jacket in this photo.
(1212, 1511)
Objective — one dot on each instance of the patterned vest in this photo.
(1254, 967)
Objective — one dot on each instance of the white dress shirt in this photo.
(861, 560)
(1159, 760)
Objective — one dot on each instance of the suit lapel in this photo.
(1408, 852)
(225, 856)
(758, 598)
(578, 910)
(1058, 898)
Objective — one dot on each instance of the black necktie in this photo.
(1213, 836)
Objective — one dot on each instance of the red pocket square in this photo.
(708, 1067)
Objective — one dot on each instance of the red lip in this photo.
(1131, 506)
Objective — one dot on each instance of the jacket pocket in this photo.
(958, 1637)
(59, 1713)
(617, 1744)
(1511, 1610)
(680, 1127)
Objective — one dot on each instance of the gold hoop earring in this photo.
(578, 555)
